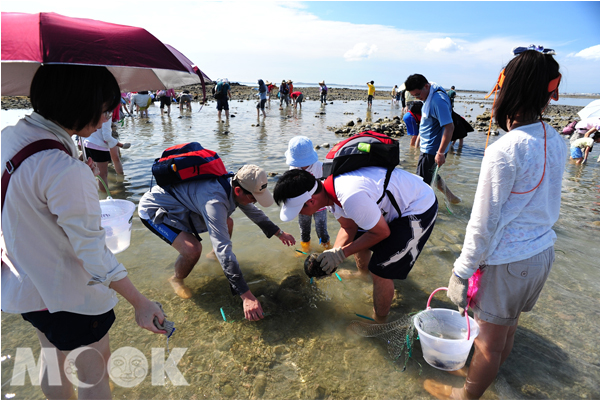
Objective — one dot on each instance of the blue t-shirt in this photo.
(412, 127)
(223, 88)
(431, 128)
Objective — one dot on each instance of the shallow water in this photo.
(302, 349)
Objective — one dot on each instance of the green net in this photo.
(399, 336)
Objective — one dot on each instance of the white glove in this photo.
(330, 259)
(126, 145)
(457, 292)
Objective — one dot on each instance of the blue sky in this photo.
(464, 44)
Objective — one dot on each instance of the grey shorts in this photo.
(506, 290)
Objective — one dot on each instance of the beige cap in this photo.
(322, 82)
(254, 179)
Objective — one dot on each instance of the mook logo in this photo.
(127, 367)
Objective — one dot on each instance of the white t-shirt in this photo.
(358, 192)
(315, 169)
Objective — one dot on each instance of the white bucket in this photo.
(446, 337)
(116, 221)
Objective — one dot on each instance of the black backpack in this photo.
(365, 149)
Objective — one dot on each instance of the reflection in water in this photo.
(302, 349)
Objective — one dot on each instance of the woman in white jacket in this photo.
(509, 240)
(56, 269)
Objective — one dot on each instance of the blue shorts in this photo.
(576, 152)
(165, 232)
(394, 257)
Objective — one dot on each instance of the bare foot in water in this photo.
(443, 392)
(461, 372)
(347, 274)
(179, 287)
(212, 255)
(453, 199)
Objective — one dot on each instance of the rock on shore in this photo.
(555, 115)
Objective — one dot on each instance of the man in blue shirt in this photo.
(435, 130)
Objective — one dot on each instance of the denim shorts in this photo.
(576, 152)
(506, 290)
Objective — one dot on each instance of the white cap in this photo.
(291, 207)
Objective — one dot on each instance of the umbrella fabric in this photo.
(591, 110)
(137, 59)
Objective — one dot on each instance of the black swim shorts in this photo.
(98, 155)
(394, 257)
(68, 331)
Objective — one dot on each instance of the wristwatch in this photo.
(279, 233)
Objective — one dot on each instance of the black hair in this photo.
(292, 184)
(416, 107)
(524, 92)
(235, 183)
(372, 82)
(261, 86)
(94, 89)
(415, 82)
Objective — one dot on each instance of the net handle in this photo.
(466, 308)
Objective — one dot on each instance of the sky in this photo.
(464, 44)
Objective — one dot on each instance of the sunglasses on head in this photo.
(518, 50)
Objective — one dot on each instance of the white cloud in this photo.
(591, 53)
(249, 43)
(360, 51)
(437, 45)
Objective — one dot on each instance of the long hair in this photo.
(73, 96)
(524, 93)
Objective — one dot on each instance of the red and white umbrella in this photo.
(137, 59)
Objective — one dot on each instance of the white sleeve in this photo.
(496, 180)
(107, 134)
(72, 197)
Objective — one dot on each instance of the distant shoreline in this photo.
(246, 92)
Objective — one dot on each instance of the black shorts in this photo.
(222, 104)
(98, 155)
(370, 98)
(299, 98)
(394, 257)
(426, 167)
(68, 331)
(165, 101)
(261, 104)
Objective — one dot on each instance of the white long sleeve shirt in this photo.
(506, 227)
(102, 139)
(54, 252)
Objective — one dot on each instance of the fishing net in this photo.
(440, 184)
(399, 336)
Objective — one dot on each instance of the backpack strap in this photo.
(330, 190)
(388, 175)
(22, 155)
